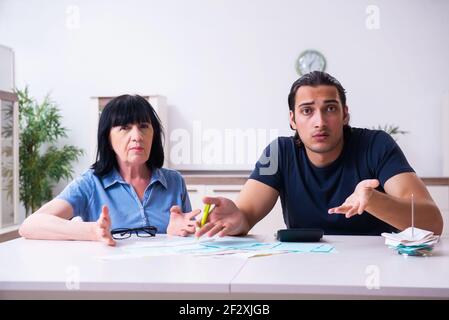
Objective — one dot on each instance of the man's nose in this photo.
(319, 119)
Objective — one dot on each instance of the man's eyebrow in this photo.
(331, 101)
(306, 104)
(309, 103)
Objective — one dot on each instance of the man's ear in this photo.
(346, 115)
(292, 120)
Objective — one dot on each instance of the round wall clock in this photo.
(310, 60)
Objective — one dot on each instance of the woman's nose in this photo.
(136, 134)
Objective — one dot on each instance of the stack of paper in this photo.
(412, 241)
(244, 247)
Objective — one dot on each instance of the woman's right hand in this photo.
(181, 224)
(102, 227)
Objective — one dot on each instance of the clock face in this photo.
(310, 60)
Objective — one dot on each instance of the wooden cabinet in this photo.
(440, 195)
(9, 160)
(9, 143)
(267, 226)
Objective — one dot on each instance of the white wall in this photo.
(6, 68)
(230, 63)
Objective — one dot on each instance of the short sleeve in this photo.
(386, 158)
(268, 168)
(186, 206)
(78, 194)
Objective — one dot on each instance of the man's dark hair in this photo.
(315, 79)
(123, 110)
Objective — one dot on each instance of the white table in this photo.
(363, 267)
(74, 269)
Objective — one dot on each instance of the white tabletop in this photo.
(41, 268)
(361, 267)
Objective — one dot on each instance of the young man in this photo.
(344, 180)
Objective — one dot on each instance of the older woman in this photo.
(125, 188)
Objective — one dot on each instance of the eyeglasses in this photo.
(124, 233)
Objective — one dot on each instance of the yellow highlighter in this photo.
(205, 214)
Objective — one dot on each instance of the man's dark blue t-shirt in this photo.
(308, 192)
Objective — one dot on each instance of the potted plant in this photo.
(392, 130)
(41, 163)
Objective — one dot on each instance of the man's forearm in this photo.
(397, 212)
(245, 225)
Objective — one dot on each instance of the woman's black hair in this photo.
(123, 110)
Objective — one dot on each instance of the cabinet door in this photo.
(440, 195)
(9, 164)
(445, 214)
(272, 221)
(268, 225)
(196, 193)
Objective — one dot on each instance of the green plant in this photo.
(392, 130)
(41, 163)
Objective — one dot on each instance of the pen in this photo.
(205, 214)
